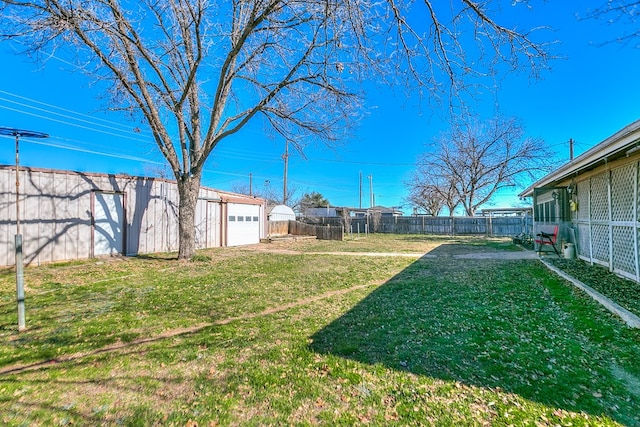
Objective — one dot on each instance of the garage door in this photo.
(243, 224)
(108, 227)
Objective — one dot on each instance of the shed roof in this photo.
(281, 210)
(226, 196)
(620, 144)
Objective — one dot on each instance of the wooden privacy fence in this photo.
(486, 226)
(278, 228)
(295, 228)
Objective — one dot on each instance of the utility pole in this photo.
(371, 191)
(250, 184)
(570, 149)
(360, 207)
(285, 157)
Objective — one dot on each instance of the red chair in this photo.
(543, 238)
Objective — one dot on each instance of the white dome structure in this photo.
(281, 213)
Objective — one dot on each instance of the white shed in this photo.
(281, 213)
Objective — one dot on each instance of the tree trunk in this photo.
(188, 189)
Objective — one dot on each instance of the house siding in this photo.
(606, 221)
(606, 224)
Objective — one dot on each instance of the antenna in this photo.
(17, 133)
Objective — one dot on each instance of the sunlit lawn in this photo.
(257, 338)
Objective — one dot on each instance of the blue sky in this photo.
(587, 96)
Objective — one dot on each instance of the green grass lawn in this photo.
(253, 337)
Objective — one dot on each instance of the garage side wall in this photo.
(68, 215)
(208, 219)
(55, 215)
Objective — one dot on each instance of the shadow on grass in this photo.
(505, 325)
(423, 238)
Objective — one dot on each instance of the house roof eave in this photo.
(614, 146)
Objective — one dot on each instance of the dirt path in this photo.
(19, 368)
(438, 253)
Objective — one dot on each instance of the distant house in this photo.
(511, 211)
(384, 212)
(595, 201)
(387, 212)
(337, 212)
(71, 215)
(323, 212)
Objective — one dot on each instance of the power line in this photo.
(66, 117)
(112, 124)
(118, 130)
(121, 156)
(353, 162)
(70, 124)
(84, 150)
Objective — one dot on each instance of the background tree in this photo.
(474, 160)
(270, 194)
(345, 218)
(376, 217)
(430, 192)
(197, 71)
(313, 200)
(424, 199)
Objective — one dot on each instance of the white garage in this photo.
(244, 224)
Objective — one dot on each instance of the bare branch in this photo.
(624, 15)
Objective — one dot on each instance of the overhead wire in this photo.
(92, 123)
(117, 129)
(110, 123)
(84, 150)
(67, 123)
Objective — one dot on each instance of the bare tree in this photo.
(376, 218)
(270, 194)
(431, 190)
(345, 216)
(424, 198)
(476, 159)
(242, 188)
(197, 71)
(624, 14)
(274, 195)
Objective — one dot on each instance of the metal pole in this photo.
(17, 184)
(18, 241)
(570, 148)
(360, 207)
(17, 133)
(20, 283)
(285, 157)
